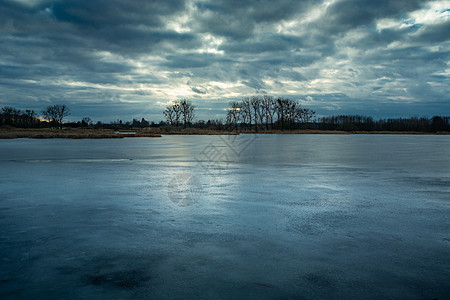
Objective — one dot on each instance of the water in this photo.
(226, 217)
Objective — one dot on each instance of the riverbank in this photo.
(315, 131)
(44, 133)
(76, 133)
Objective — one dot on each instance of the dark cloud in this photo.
(188, 61)
(198, 90)
(267, 43)
(254, 83)
(434, 33)
(237, 20)
(103, 14)
(344, 15)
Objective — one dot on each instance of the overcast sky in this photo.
(119, 59)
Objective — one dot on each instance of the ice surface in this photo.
(249, 216)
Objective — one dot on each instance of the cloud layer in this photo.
(122, 59)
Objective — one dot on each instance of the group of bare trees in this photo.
(180, 113)
(15, 117)
(266, 112)
(258, 113)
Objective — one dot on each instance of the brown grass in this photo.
(183, 131)
(314, 131)
(65, 134)
(44, 133)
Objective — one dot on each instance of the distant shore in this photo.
(44, 133)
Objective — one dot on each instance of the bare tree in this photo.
(289, 113)
(11, 115)
(261, 112)
(183, 110)
(187, 112)
(281, 112)
(86, 122)
(170, 114)
(246, 112)
(56, 113)
(234, 114)
(269, 109)
(256, 106)
(307, 115)
(177, 113)
(293, 112)
(30, 117)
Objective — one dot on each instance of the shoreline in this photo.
(316, 131)
(68, 134)
(44, 133)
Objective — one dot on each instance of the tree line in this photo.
(363, 123)
(17, 118)
(264, 113)
(258, 114)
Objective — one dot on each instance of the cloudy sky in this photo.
(117, 59)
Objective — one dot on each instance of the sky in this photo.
(117, 59)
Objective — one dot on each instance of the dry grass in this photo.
(66, 134)
(314, 131)
(184, 131)
(44, 133)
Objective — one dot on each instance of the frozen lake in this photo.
(226, 217)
